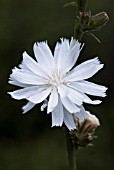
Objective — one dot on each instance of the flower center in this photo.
(57, 78)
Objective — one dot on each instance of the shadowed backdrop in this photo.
(27, 142)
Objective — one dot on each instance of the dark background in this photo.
(27, 142)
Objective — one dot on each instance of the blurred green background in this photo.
(27, 142)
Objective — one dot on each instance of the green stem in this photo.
(78, 33)
(71, 152)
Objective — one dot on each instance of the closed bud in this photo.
(93, 119)
(81, 5)
(84, 134)
(85, 19)
(90, 124)
(98, 20)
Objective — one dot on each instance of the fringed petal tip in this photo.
(27, 107)
(56, 125)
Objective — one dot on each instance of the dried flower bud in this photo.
(98, 20)
(84, 134)
(82, 5)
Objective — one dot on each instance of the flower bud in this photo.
(82, 5)
(84, 134)
(93, 119)
(98, 20)
(85, 19)
(90, 124)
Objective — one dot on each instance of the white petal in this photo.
(68, 104)
(45, 104)
(27, 77)
(53, 100)
(82, 114)
(16, 83)
(92, 88)
(75, 96)
(56, 52)
(58, 115)
(68, 120)
(60, 52)
(89, 88)
(34, 94)
(74, 99)
(28, 107)
(43, 55)
(32, 65)
(88, 100)
(66, 54)
(40, 95)
(24, 93)
(84, 71)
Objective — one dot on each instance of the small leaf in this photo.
(94, 37)
(70, 4)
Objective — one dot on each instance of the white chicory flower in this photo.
(54, 76)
